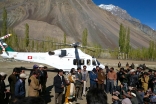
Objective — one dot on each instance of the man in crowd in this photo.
(145, 80)
(133, 98)
(111, 78)
(119, 64)
(133, 78)
(12, 81)
(42, 79)
(45, 79)
(34, 86)
(20, 87)
(3, 89)
(101, 78)
(35, 68)
(93, 79)
(59, 84)
(84, 78)
(96, 96)
(79, 83)
(126, 99)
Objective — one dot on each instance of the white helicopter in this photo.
(65, 58)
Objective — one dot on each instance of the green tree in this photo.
(33, 44)
(127, 43)
(151, 49)
(124, 39)
(84, 37)
(4, 26)
(26, 35)
(120, 36)
(64, 41)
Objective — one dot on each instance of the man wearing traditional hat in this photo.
(20, 87)
(133, 78)
(35, 68)
(133, 99)
(42, 79)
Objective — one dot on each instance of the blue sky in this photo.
(144, 10)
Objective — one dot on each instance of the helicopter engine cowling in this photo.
(60, 53)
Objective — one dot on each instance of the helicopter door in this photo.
(88, 62)
(94, 62)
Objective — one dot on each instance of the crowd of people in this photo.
(36, 80)
(134, 85)
(128, 85)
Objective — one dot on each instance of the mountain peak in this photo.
(115, 10)
(107, 7)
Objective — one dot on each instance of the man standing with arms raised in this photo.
(59, 84)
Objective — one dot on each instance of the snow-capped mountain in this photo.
(115, 10)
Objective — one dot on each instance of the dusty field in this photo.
(8, 66)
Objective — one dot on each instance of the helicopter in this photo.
(65, 58)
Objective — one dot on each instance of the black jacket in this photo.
(58, 83)
(2, 88)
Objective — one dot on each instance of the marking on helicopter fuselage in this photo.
(38, 58)
(29, 57)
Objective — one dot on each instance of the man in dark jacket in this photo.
(133, 79)
(59, 84)
(79, 83)
(2, 88)
(20, 87)
(12, 81)
(93, 79)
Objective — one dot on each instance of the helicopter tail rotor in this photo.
(2, 44)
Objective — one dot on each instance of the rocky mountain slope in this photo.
(56, 17)
(117, 11)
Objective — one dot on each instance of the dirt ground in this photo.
(9, 65)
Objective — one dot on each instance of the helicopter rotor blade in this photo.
(4, 37)
(2, 43)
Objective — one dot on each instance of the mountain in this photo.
(56, 17)
(117, 11)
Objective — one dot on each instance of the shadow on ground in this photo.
(47, 96)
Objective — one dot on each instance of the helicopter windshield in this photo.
(98, 62)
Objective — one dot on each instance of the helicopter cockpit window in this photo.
(81, 61)
(75, 62)
(88, 61)
(98, 62)
(94, 62)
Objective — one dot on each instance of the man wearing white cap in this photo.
(2, 87)
(41, 79)
(133, 78)
(20, 86)
(133, 99)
